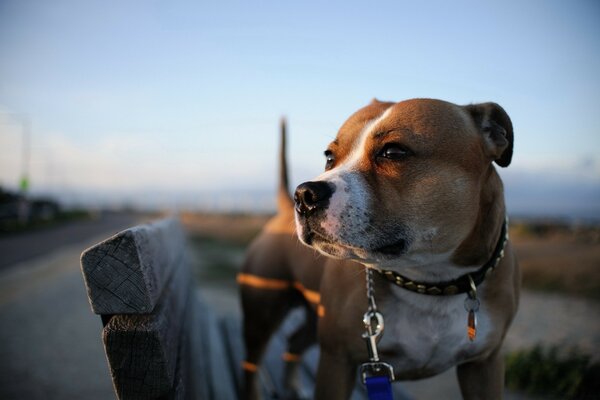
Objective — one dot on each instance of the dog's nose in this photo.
(311, 196)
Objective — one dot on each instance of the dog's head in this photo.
(403, 181)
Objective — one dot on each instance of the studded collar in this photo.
(459, 285)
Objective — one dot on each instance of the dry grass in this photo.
(233, 228)
(559, 258)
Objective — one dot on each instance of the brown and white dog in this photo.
(411, 192)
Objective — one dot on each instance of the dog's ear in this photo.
(495, 126)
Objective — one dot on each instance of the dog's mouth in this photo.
(311, 237)
(338, 249)
(395, 249)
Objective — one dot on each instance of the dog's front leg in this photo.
(335, 377)
(482, 379)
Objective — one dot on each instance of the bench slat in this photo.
(232, 335)
(126, 273)
(222, 381)
(142, 350)
(191, 375)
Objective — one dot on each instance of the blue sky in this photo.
(165, 100)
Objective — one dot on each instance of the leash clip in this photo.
(374, 325)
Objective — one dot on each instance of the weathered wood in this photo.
(232, 337)
(192, 375)
(142, 350)
(126, 273)
(222, 382)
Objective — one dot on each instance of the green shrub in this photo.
(546, 372)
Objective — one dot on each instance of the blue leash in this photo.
(379, 388)
(378, 377)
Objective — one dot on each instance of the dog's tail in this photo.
(284, 199)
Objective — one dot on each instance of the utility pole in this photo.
(26, 155)
(24, 206)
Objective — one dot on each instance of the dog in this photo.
(411, 203)
(278, 275)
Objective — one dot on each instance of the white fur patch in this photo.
(358, 151)
(348, 211)
(431, 332)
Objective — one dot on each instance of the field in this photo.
(218, 243)
(553, 256)
(559, 257)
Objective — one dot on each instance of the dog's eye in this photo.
(394, 151)
(329, 159)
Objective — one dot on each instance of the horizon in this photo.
(152, 103)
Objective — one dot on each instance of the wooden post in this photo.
(126, 273)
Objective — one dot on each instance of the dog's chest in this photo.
(425, 335)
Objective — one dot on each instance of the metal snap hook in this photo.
(373, 319)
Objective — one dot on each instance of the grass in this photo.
(234, 228)
(10, 227)
(543, 371)
(558, 257)
(215, 259)
(218, 243)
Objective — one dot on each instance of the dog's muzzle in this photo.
(311, 197)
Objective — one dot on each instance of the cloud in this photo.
(127, 162)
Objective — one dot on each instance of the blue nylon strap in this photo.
(379, 388)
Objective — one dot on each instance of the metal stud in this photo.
(410, 286)
(434, 291)
(450, 290)
(421, 288)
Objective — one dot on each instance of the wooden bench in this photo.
(159, 338)
(162, 341)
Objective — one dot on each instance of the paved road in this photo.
(50, 341)
(25, 246)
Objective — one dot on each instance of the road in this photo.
(28, 245)
(50, 341)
